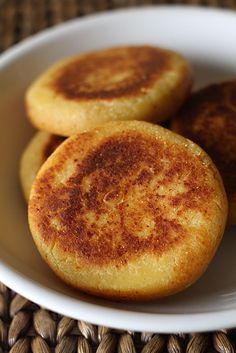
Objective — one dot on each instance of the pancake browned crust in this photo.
(35, 154)
(128, 211)
(125, 83)
(209, 119)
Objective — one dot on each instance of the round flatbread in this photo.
(209, 119)
(124, 83)
(35, 154)
(128, 211)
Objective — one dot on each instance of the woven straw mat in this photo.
(24, 326)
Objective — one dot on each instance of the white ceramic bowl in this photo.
(207, 38)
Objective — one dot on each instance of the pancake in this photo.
(125, 83)
(128, 211)
(209, 119)
(35, 154)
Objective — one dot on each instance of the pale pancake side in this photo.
(36, 152)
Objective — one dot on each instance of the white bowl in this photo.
(207, 38)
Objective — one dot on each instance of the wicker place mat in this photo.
(24, 326)
(20, 18)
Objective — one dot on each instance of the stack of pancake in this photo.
(119, 206)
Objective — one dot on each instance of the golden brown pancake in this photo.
(209, 119)
(35, 154)
(128, 211)
(126, 83)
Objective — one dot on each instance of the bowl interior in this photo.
(212, 59)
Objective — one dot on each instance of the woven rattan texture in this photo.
(25, 327)
(20, 18)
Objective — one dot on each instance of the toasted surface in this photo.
(209, 119)
(125, 83)
(129, 210)
(35, 154)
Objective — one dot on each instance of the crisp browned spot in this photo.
(209, 119)
(130, 195)
(53, 142)
(111, 73)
